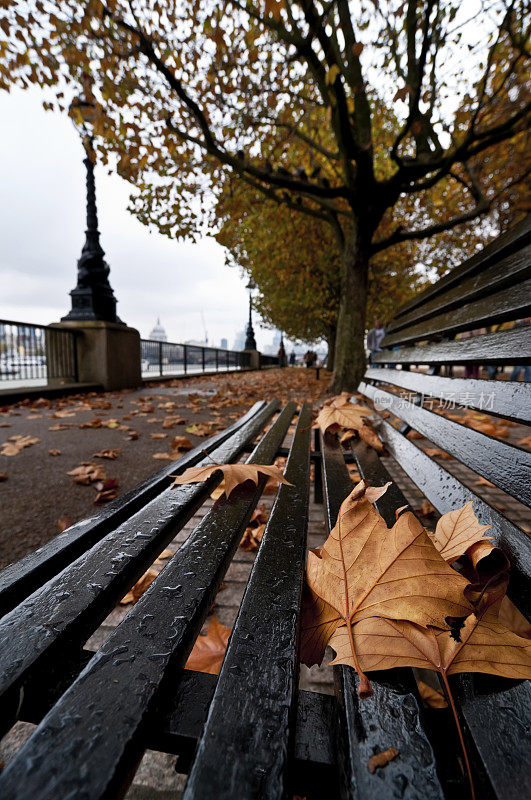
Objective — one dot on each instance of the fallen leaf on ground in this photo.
(181, 443)
(170, 422)
(526, 442)
(93, 423)
(15, 444)
(435, 452)
(415, 435)
(63, 523)
(233, 474)
(62, 414)
(157, 435)
(209, 651)
(136, 591)
(200, 429)
(87, 473)
(426, 508)
(105, 496)
(366, 570)
(431, 696)
(54, 452)
(252, 537)
(381, 759)
(59, 427)
(108, 453)
(484, 482)
(163, 556)
(111, 423)
(133, 435)
(3, 477)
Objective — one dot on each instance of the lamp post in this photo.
(93, 297)
(250, 341)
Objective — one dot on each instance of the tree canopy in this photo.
(187, 91)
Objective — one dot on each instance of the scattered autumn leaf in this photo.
(526, 442)
(366, 570)
(87, 473)
(157, 435)
(209, 651)
(457, 531)
(63, 523)
(59, 427)
(170, 422)
(54, 452)
(200, 429)
(233, 474)
(15, 444)
(108, 453)
(484, 482)
(432, 697)
(136, 591)
(381, 759)
(349, 415)
(181, 443)
(435, 452)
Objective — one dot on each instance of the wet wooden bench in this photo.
(250, 733)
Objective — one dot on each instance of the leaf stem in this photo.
(365, 688)
(459, 733)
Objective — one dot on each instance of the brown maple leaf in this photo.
(54, 452)
(209, 651)
(347, 415)
(142, 584)
(108, 453)
(233, 474)
(432, 697)
(457, 531)
(365, 570)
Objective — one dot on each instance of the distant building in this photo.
(158, 333)
(239, 341)
(224, 344)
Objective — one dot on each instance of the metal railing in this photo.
(33, 355)
(167, 358)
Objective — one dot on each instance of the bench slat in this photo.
(72, 604)
(503, 464)
(509, 242)
(513, 302)
(513, 269)
(244, 748)
(507, 399)
(503, 347)
(393, 717)
(446, 492)
(19, 580)
(118, 689)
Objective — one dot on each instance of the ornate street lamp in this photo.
(93, 298)
(250, 341)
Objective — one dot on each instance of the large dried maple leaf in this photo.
(209, 651)
(233, 474)
(366, 570)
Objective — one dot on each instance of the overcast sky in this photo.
(42, 223)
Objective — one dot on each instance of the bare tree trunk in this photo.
(331, 342)
(349, 364)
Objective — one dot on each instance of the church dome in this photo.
(158, 333)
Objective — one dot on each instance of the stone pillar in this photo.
(254, 358)
(108, 353)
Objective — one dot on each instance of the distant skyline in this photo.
(42, 223)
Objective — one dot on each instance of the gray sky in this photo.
(42, 222)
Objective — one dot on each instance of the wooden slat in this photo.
(19, 580)
(511, 303)
(243, 752)
(446, 493)
(393, 716)
(512, 240)
(485, 702)
(505, 465)
(508, 271)
(504, 347)
(65, 611)
(507, 399)
(114, 695)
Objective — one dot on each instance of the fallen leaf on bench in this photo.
(209, 651)
(511, 617)
(63, 523)
(233, 474)
(108, 453)
(15, 444)
(136, 591)
(370, 437)
(348, 416)
(381, 759)
(432, 697)
(364, 569)
(457, 531)
(54, 452)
